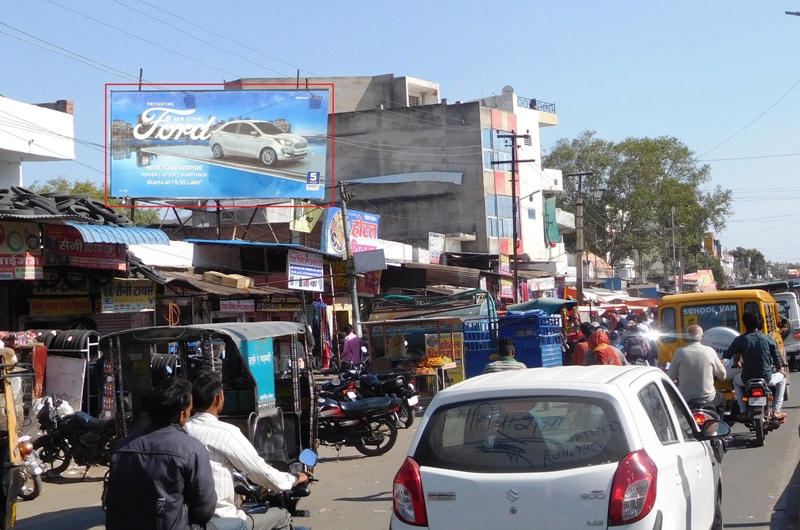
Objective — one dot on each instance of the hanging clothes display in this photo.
(325, 342)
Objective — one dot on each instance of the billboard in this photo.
(305, 271)
(218, 144)
(363, 231)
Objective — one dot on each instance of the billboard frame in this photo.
(108, 87)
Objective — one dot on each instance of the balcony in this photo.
(547, 111)
(565, 220)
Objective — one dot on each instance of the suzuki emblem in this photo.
(512, 495)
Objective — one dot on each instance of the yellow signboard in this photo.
(446, 346)
(60, 306)
(279, 303)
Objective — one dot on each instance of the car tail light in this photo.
(633, 491)
(797, 335)
(756, 392)
(409, 500)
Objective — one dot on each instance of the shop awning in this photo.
(120, 234)
(192, 281)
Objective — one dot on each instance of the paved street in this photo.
(761, 488)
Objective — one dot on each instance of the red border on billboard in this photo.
(161, 85)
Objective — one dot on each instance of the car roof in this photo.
(555, 378)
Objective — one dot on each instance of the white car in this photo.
(557, 448)
(257, 139)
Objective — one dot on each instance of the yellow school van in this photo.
(720, 315)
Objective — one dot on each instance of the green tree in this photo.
(630, 196)
(753, 259)
(143, 216)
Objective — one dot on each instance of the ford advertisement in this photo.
(218, 144)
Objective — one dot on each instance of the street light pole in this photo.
(514, 232)
(351, 272)
(579, 248)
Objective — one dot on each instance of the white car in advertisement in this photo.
(257, 139)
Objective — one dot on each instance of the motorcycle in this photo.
(31, 470)
(77, 436)
(704, 410)
(759, 399)
(366, 424)
(257, 500)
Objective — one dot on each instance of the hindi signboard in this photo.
(64, 246)
(128, 296)
(219, 144)
(435, 247)
(305, 271)
(237, 306)
(363, 231)
(60, 306)
(20, 255)
(279, 304)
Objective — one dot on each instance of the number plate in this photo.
(757, 402)
(413, 400)
(351, 395)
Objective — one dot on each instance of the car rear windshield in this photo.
(268, 128)
(523, 435)
(709, 316)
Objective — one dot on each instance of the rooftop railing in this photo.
(536, 104)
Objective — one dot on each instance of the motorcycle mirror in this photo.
(336, 381)
(308, 457)
(363, 349)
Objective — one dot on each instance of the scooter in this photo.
(703, 410)
(31, 470)
(366, 424)
(759, 399)
(256, 500)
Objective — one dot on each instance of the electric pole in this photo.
(351, 269)
(579, 244)
(674, 261)
(514, 161)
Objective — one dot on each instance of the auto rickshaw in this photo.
(271, 401)
(13, 378)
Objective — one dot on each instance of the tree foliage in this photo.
(143, 216)
(630, 195)
(752, 258)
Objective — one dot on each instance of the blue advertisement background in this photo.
(186, 168)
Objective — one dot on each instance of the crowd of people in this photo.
(616, 339)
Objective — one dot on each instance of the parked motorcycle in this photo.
(31, 470)
(257, 500)
(366, 424)
(704, 410)
(78, 436)
(759, 399)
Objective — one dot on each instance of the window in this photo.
(268, 128)
(230, 128)
(685, 420)
(246, 128)
(499, 216)
(668, 325)
(523, 435)
(413, 101)
(531, 213)
(656, 410)
(709, 316)
(496, 149)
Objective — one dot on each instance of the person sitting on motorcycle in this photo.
(757, 354)
(160, 477)
(694, 368)
(231, 451)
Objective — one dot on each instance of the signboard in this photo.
(128, 296)
(363, 229)
(279, 303)
(223, 144)
(60, 306)
(435, 247)
(237, 306)
(368, 283)
(506, 288)
(20, 255)
(445, 346)
(305, 217)
(64, 246)
(260, 360)
(505, 265)
(305, 271)
(53, 284)
(542, 284)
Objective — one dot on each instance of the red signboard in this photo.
(64, 246)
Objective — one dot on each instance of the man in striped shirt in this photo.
(506, 362)
(231, 451)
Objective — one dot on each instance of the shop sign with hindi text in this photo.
(279, 304)
(60, 306)
(127, 296)
(305, 271)
(237, 306)
(20, 255)
(64, 246)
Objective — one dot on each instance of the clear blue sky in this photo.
(698, 71)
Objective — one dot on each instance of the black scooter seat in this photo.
(369, 406)
(90, 423)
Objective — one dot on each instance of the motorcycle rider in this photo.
(230, 451)
(757, 354)
(694, 368)
(160, 477)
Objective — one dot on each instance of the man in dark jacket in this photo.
(161, 477)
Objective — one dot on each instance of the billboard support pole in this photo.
(219, 222)
(351, 271)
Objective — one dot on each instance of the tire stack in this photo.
(163, 366)
(72, 343)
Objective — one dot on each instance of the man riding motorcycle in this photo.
(694, 367)
(757, 354)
